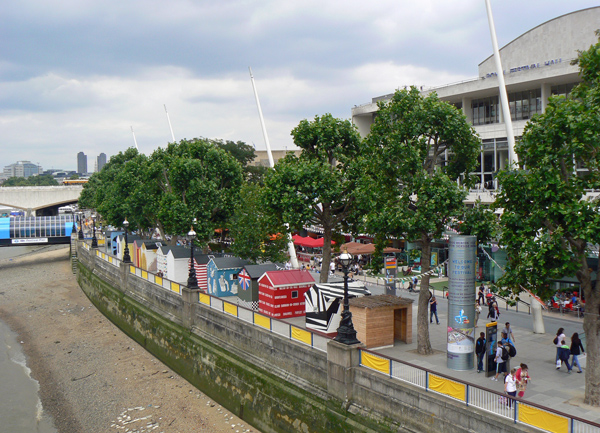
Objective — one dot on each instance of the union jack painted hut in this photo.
(222, 275)
(248, 282)
(324, 304)
(281, 293)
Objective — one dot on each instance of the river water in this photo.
(20, 405)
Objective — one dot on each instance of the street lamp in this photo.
(126, 256)
(192, 281)
(74, 229)
(94, 240)
(346, 334)
(80, 234)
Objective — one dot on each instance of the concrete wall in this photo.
(271, 382)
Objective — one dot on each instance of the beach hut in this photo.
(281, 293)
(161, 259)
(324, 304)
(248, 283)
(111, 241)
(121, 245)
(148, 254)
(222, 275)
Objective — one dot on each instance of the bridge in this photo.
(39, 200)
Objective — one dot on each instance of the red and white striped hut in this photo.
(281, 293)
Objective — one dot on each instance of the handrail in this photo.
(517, 303)
(513, 409)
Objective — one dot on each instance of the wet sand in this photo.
(92, 377)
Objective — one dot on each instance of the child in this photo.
(564, 353)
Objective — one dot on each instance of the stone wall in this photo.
(271, 382)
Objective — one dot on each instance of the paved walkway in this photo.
(549, 387)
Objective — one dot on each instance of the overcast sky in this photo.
(76, 75)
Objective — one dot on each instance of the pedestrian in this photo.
(480, 351)
(500, 361)
(477, 312)
(560, 336)
(509, 333)
(576, 350)
(433, 310)
(410, 286)
(564, 355)
(523, 378)
(491, 311)
(510, 385)
(481, 295)
(495, 304)
(415, 282)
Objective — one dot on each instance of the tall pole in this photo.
(94, 239)
(169, 120)
(126, 256)
(291, 248)
(346, 334)
(510, 135)
(192, 281)
(134, 140)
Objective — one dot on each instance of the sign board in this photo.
(491, 331)
(30, 241)
(391, 270)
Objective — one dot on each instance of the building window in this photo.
(485, 110)
(294, 294)
(562, 89)
(523, 105)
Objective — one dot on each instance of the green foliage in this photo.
(257, 236)
(316, 187)
(41, 180)
(74, 176)
(479, 221)
(407, 186)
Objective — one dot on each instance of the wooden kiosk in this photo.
(381, 319)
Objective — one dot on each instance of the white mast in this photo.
(291, 248)
(169, 120)
(512, 156)
(134, 140)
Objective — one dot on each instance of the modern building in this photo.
(100, 162)
(262, 157)
(22, 169)
(82, 163)
(536, 66)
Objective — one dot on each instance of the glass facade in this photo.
(36, 227)
(523, 105)
(485, 110)
(562, 89)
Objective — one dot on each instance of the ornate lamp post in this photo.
(74, 229)
(346, 334)
(94, 240)
(192, 281)
(126, 256)
(80, 234)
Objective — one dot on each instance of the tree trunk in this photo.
(327, 233)
(591, 326)
(423, 342)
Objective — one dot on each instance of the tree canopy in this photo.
(419, 147)
(316, 188)
(41, 180)
(549, 223)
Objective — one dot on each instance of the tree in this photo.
(257, 236)
(548, 223)
(40, 180)
(419, 147)
(316, 187)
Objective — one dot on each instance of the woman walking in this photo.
(522, 377)
(576, 350)
(560, 336)
(510, 385)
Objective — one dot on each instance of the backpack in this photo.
(512, 351)
(505, 354)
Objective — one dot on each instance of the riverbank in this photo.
(92, 377)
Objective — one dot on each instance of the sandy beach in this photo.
(92, 377)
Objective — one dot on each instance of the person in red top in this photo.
(522, 378)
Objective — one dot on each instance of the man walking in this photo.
(433, 310)
(480, 351)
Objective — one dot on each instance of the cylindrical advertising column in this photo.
(461, 301)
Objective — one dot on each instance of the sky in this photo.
(78, 75)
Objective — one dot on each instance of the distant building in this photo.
(100, 161)
(262, 158)
(22, 169)
(82, 163)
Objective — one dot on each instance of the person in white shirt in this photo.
(510, 385)
(500, 363)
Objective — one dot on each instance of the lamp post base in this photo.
(346, 332)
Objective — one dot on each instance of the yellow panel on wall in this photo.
(175, 287)
(132, 270)
(542, 419)
(144, 275)
(158, 280)
(446, 386)
(230, 308)
(110, 260)
(301, 335)
(204, 298)
(375, 362)
(262, 321)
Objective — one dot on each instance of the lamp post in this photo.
(74, 229)
(126, 256)
(192, 281)
(94, 240)
(80, 234)
(346, 334)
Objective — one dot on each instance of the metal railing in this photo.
(499, 404)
